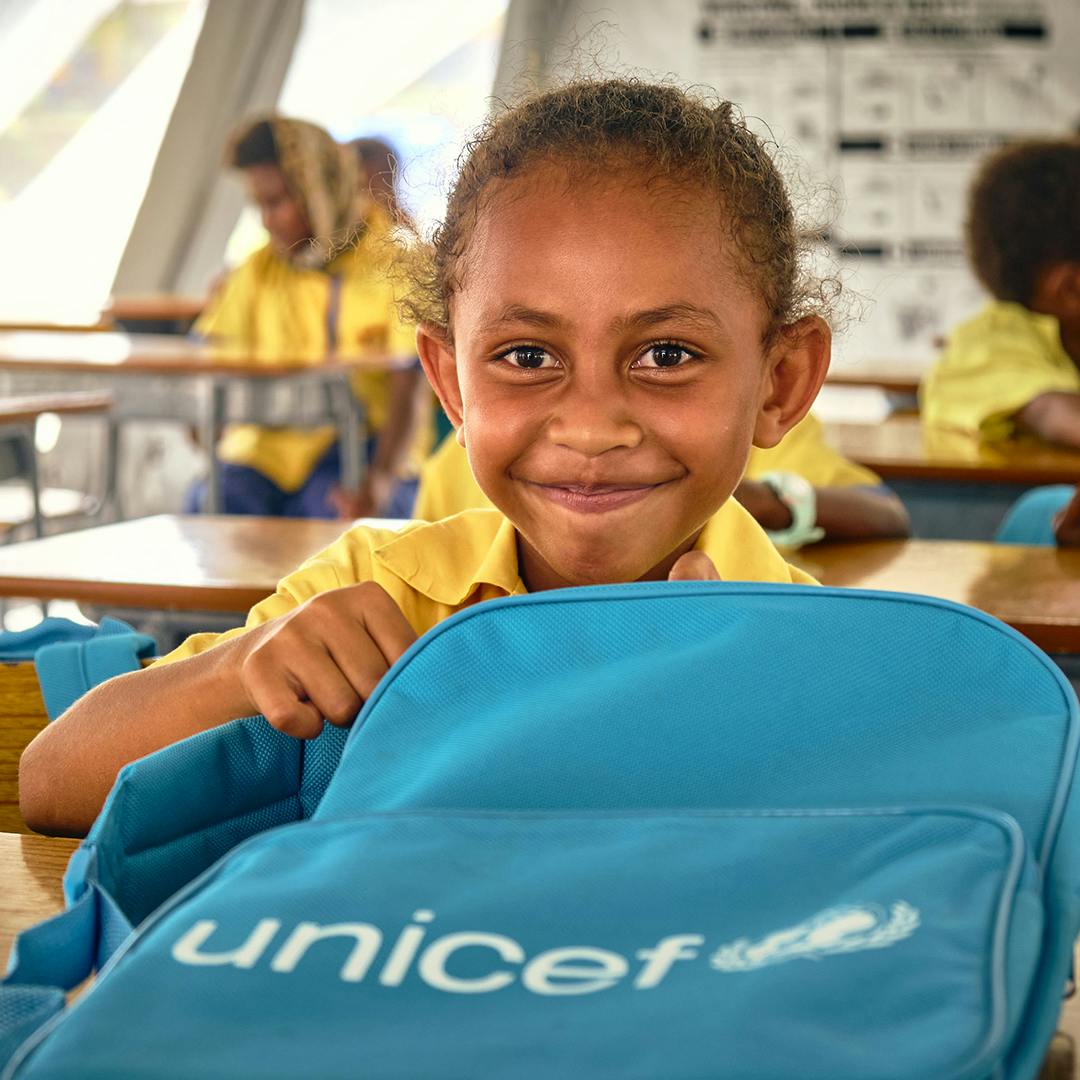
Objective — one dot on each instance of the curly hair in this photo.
(675, 135)
(1024, 215)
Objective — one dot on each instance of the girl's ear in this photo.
(440, 365)
(797, 365)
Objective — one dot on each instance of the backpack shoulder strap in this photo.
(67, 669)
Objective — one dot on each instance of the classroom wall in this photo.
(883, 113)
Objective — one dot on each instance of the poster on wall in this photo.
(886, 107)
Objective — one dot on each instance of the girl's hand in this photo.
(323, 660)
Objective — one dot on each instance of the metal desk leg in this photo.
(111, 508)
(213, 420)
(26, 436)
(352, 433)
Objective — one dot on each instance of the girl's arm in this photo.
(845, 513)
(861, 513)
(1054, 417)
(70, 767)
(318, 661)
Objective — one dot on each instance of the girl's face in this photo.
(607, 374)
(283, 214)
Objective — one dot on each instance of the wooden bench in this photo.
(22, 716)
(31, 869)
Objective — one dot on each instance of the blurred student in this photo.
(800, 491)
(317, 286)
(1013, 368)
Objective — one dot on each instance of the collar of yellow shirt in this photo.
(449, 560)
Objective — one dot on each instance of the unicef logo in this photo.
(851, 928)
(361, 950)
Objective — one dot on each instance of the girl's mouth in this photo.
(594, 498)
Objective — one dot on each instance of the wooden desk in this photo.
(163, 354)
(954, 486)
(24, 410)
(166, 563)
(18, 424)
(207, 563)
(896, 377)
(900, 447)
(23, 326)
(31, 872)
(167, 377)
(153, 308)
(1036, 590)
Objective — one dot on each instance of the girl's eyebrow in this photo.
(518, 313)
(670, 312)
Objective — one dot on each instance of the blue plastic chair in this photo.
(1031, 518)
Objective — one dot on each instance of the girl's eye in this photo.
(664, 355)
(529, 357)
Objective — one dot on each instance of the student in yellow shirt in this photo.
(612, 313)
(1013, 368)
(319, 285)
(800, 491)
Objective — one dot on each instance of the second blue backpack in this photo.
(660, 831)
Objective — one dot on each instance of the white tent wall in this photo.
(179, 236)
(547, 39)
(238, 67)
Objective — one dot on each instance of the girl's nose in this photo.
(593, 423)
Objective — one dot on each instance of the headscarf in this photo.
(325, 177)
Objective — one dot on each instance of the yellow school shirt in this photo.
(431, 570)
(283, 312)
(992, 366)
(447, 485)
(805, 450)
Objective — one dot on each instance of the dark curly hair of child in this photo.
(1024, 215)
(661, 133)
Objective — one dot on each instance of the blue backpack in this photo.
(669, 830)
(72, 657)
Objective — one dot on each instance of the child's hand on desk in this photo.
(322, 660)
(374, 494)
(1067, 523)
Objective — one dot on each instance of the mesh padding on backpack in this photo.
(221, 786)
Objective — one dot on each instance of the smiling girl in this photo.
(612, 313)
